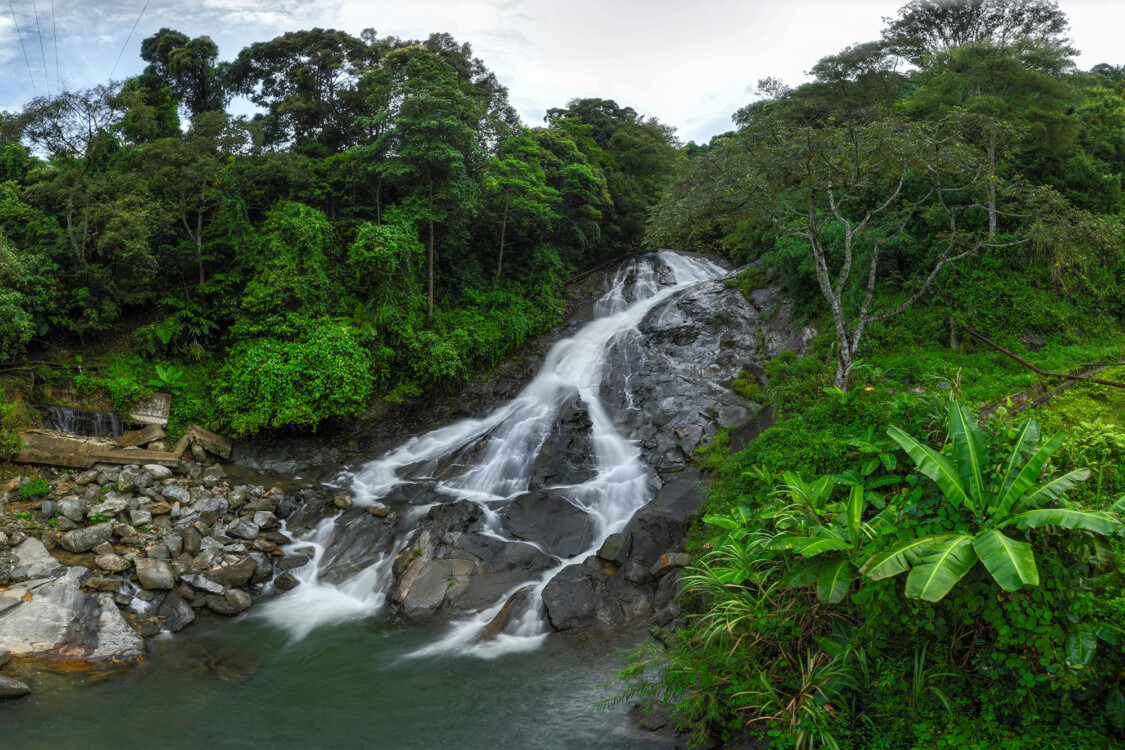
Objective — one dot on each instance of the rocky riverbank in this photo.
(94, 562)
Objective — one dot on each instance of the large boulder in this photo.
(57, 618)
(448, 567)
(35, 560)
(154, 574)
(549, 520)
(359, 540)
(630, 577)
(82, 540)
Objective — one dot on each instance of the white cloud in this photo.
(691, 64)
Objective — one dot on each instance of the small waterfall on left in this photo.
(84, 422)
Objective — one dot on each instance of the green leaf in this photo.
(898, 558)
(935, 466)
(1096, 521)
(870, 466)
(1080, 647)
(855, 506)
(1051, 490)
(834, 579)
(722, 522)
(1028, 436)
(1115, 708)
(815, 547)
(1028, 475)
(940, 567)
(968, 452)
(1011, 563)
(889, 461)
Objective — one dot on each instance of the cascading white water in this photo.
(516, 433)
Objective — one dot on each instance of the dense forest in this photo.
(914, 556)
(917, 555)
(385, 223)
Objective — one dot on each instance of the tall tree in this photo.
(427, 124)
(308, 83)
(927, 27)
(187, 67)
(516, 185)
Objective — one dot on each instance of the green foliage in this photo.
(270, 383)
(168, 379)
(37, 487)
(1023, 639)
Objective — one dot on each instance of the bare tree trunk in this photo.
(503, 231)
(992, 186)
(199, 231)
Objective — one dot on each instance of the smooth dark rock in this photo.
(359, 539)
(234, 575)
(176, 612)
(548, 519)
(10, 688)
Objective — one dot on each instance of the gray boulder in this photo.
(35, 560)
(176, 612)
(10, 688)
(154, 574)
(81, 540)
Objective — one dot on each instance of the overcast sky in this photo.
(689, 63)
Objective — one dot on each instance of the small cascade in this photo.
(84, 422)
(490, 462)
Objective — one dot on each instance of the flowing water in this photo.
(513, 437)
(327, 666)
(84, 422)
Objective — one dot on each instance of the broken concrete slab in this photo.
(153, 411)
(143, 436)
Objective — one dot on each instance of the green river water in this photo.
(248, 684)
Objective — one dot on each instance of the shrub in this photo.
(271, 383)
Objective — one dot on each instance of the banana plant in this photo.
(1001, 494)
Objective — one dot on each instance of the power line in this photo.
(123, 46)
(42, 53)
(55, 38)
(27, 62)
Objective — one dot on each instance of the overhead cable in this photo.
(55, 37)
(123, 46)
(42, 52)
(26, 61)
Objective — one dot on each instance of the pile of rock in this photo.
(145, 549)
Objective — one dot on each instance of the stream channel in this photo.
(326, 665)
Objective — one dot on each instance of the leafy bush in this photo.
(272, 383)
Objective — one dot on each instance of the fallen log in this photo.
(1025, 363)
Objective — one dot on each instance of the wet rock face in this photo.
(360, 540)
(548, 519)
(668, 383)
(567, 456)
(447, 566)
(632, 575)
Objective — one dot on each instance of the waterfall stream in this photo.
(84, 422)
(498, 453)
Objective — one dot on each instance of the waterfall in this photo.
(84, 422)
(501, 450)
